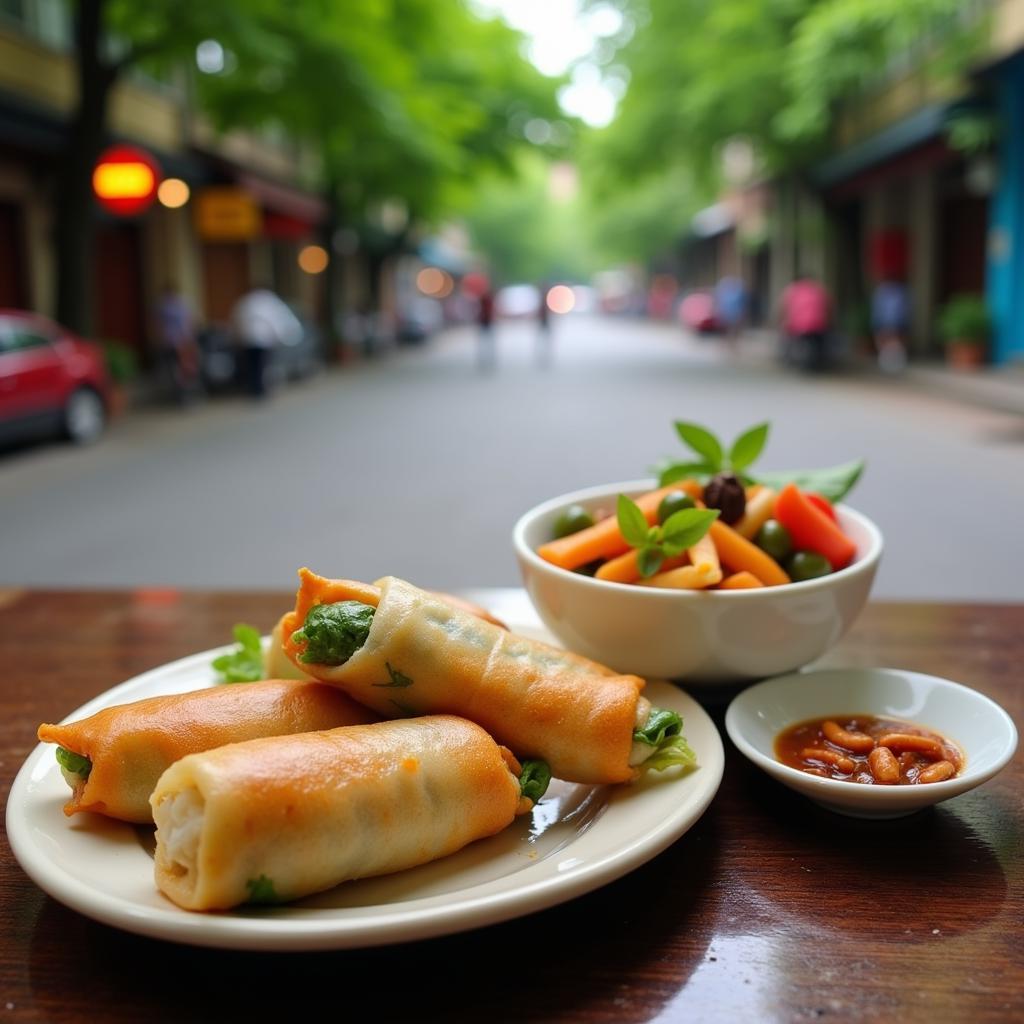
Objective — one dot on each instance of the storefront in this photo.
(905, 207)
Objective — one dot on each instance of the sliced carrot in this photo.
(603, 540)
(743, 556)
(741, 581)
(811, 529)
(687, 577)
(625, 568)
(759, 510)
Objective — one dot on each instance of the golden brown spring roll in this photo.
(415, 654)
(275, 819)
(120, 752)
(277, 664)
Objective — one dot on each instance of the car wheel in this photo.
(85, 416)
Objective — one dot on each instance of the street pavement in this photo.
(417, 463)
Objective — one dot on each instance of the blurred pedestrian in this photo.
(806, 313)
(179, 356)
(890, 323)
(731, 307)
(544, 339)
(260, 322)
(486, 356)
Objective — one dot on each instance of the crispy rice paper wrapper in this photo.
(272, 820)
(424, 656)
(132, 745)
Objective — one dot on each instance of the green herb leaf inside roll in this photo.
(663, 734)
(534, 779)
(332, 633)
(73, 764)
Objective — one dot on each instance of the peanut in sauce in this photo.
(849, 748)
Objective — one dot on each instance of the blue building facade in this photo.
(1005, 269)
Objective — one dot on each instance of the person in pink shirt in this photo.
(806, 316)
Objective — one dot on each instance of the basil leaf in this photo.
(535, 779)
(669, 472)
(245, 663)
(833, 483)
(248, 636)
(748, 446)
(649, 560)
(632, 522)
(702, 441)
(684, 528)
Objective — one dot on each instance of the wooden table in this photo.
(767, 909)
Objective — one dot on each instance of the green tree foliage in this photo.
(405, 104)
(400, 99)
(768, 70)
(526, 233)
(840, 46)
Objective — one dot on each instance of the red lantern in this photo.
(125, 180)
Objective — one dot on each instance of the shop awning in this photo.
(284, 199)
(923, 126)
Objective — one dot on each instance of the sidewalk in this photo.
(1000, 389)
(995, 388)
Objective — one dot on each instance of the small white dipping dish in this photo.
(715, 637)
(980, 727)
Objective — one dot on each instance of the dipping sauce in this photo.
(869, 750)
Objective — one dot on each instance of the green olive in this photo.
(807, 565)
(673, 502)
(774, 539)
(572, 520)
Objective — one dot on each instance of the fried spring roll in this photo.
(277, 664)
(403, 651)
(271, 820)
(113, 759)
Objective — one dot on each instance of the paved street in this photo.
(418, 463)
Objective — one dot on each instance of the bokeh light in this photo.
(313, 259)
(173, 193)
(435, 282)
(560, 299)
(210, 57)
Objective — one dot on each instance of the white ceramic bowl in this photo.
(980, 727)
(713, 637)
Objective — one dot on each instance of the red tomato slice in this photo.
(811, 529)
(821, 502)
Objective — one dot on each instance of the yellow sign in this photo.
(224, 213)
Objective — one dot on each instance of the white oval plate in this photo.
(577, 839)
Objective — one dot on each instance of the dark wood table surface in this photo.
(767, 909)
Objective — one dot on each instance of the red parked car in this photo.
(51, 381)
